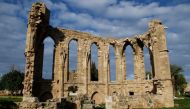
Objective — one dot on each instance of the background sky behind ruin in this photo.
(116, 18)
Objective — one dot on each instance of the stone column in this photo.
(57, 72)
(82, 64)
(85, 64)
(123, 65)
(100, 62)
(164, 74)
(139, 68)
(119, 63)
(29, 73)
(66, 66)
(37, 24)
(161, 60)
(61, 71)
(105, 66)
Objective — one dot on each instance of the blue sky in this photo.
(109, 18)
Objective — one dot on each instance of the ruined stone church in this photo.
(139, 92)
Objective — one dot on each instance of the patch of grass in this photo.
(11, 98)
(180, 104)
(183, 103)
(101, 106)
(8, 102)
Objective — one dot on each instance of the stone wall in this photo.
(140, 92)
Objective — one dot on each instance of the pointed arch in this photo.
(97, 98)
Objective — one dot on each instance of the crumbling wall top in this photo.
(39, 13)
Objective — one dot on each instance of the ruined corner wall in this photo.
(158, 90)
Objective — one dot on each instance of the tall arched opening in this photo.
(44, 67)
(72, 60)
(148, 62)
(47, 71)
(129, 61)
(94, 62)
(112, 63)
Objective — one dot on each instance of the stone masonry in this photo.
(140, 92)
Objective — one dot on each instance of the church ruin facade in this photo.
(139, 92)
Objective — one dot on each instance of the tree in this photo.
(12, 81)
(148, 75)
(94, 72)
(178, 80)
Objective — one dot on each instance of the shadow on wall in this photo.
(66, 104)
(45, 96)
(97, 98)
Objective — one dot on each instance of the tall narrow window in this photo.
(94, 63)
(73, 56)
(147, 62)
(112, 64)
(48, 58)
(129, 63)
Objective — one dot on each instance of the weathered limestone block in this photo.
(29, 103)
(108, 100)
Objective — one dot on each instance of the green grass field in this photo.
(11, 98)
(8, 102)
(180, 104)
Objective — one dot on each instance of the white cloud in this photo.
(92, 5)
(8, 9)
(128, 10)
(133, 18)
(48, 46)
(12, 29)
(187, 78)
(173, 37)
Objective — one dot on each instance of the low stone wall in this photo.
(4, 92)
(33, 103)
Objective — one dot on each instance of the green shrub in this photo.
(101, 106)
